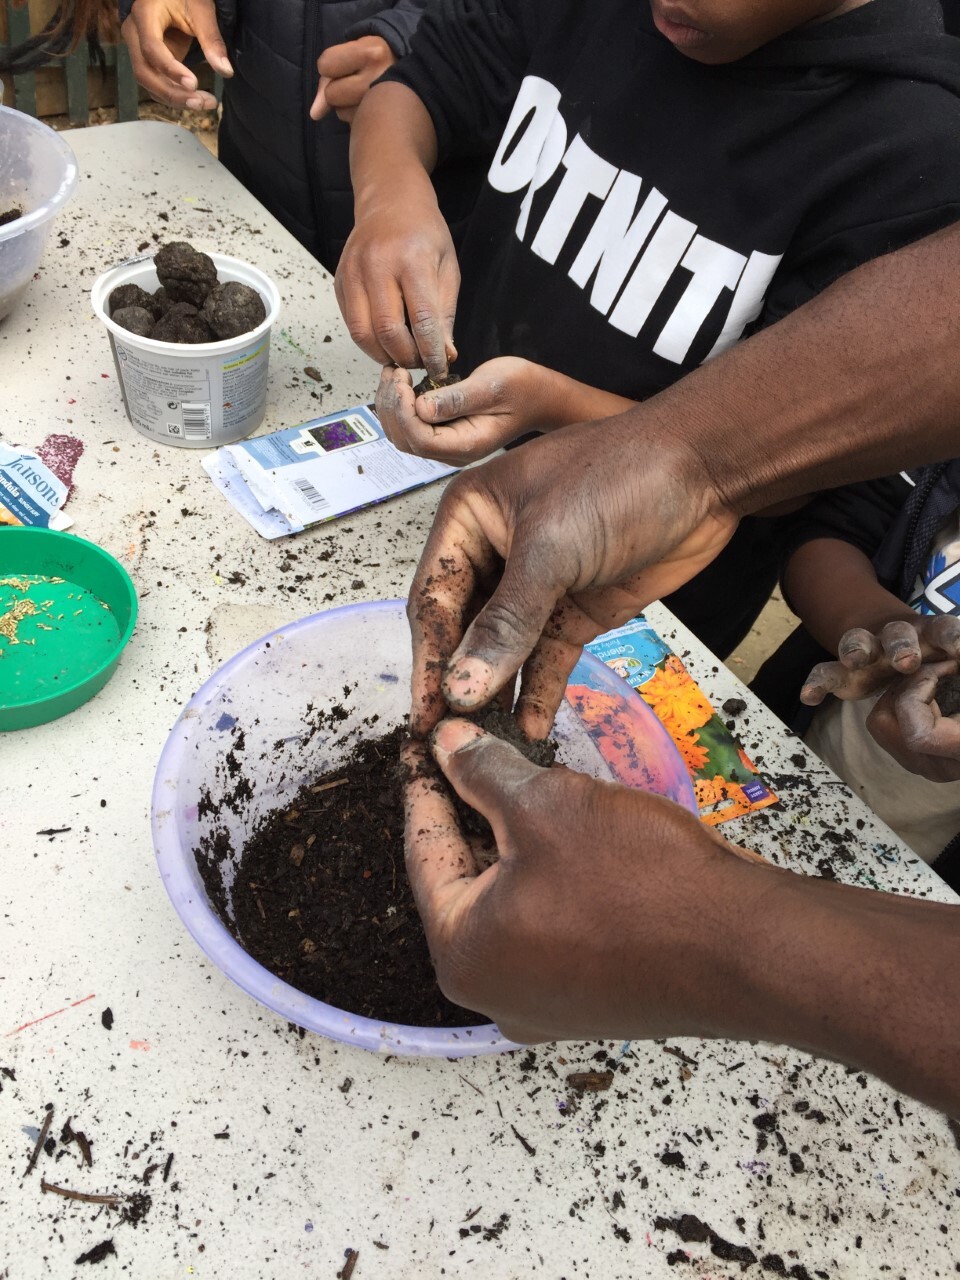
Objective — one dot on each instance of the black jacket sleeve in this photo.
(395, 25)
(465, 64)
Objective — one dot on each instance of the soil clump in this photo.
(541, 751)
(434, 384)
(948, 695)
(10, 215)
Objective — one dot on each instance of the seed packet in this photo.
(292, 479)
(725, 779)
(30, 494)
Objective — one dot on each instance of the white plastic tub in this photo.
(257, 709)
(38, 173)
(195, 395)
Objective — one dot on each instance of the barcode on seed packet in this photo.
(316, 499)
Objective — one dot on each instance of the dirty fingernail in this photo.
(195, 104)
(468, 682)
(452, 734)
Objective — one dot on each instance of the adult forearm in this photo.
(870, 979)
(858, 383)
(393, 147)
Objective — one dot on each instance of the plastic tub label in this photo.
(196, 401)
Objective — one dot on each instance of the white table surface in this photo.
(481, 1167)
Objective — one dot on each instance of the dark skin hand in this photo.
(523, 943)
(832, 584)
(159, 33)
(531, 556)
(552, 564)
(906, 721)
(868, 660)
(398, 277)
(346, 72)
(526, 562)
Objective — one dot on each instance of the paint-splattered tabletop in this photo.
(154, 1120)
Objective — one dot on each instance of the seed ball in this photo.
(187, 276)
(233, 308)
(128, 295)
(182, 323)
(136, 319)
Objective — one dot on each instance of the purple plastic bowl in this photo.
(258, 704)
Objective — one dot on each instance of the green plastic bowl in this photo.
(67, 609)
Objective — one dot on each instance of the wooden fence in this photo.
(41, 92)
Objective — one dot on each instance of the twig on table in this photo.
(590, 1081)
(678, 1053)
(471, 1084)
(87, 1196)
(352, 1256)
(44, 1130)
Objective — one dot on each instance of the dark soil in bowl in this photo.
(321, 896)
(10, 215)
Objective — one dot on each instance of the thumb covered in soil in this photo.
(484, 770)
(505, 632)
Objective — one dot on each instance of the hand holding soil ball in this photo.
(191, 305)
(917, 721)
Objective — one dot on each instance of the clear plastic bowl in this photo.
(38, 173)
(256, 711)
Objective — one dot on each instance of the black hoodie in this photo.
(643, 210)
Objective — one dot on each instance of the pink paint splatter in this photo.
(61, 454)
(140, 1044)
(33, 1021)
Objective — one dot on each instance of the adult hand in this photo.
(159, 34)
(521, 942)
(347, 72)
(907, 722)
(535, 553)
(614, 913)
(465, 421)
(869, 661)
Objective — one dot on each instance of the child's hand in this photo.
(397, 283)
(465, 421)
(908, 723)
(346, 73)
(868, 661)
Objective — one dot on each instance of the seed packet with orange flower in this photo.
(725, 780)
